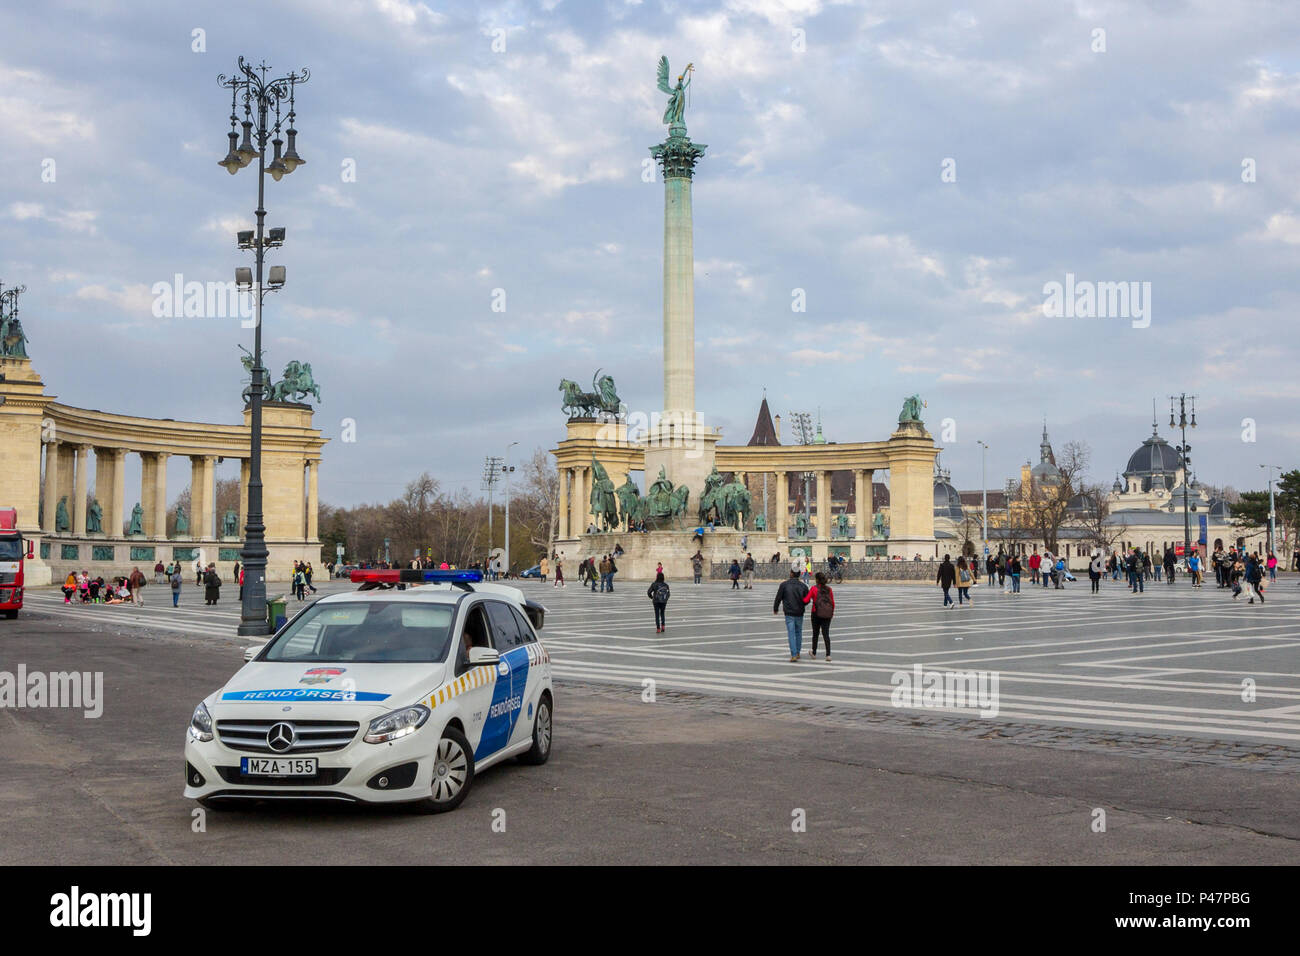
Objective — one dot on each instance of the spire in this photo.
(1155, 428)
(764, 430)
(1045, 449)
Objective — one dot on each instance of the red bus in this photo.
(12, 556)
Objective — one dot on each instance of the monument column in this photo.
(562, 509)
(67, 471)
(861, 496)
(116, 506)
(160, 496)
(51, 486)
(312, 531)
(679, 442)
(148, 465)
(79, 500)
(588, 479)
(782, 505)
(202, 473)
(823, 505)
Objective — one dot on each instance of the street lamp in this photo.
(1184, 400)
(1272, 511)
(267, 95)
(984, 455)
(508, 469)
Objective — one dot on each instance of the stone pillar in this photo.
(562, 510)
(576, 503)
(51, 486)
(202, 473)
(588, 480)
(911, 491)
(862, 503)
(824, 519)
(160, 496)
(79, 499)
(148, 486)
(243, 495)
(67, 474)
(782, 505)
(312, 500)
(115, 507)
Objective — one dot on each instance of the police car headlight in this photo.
(201, 724)
(399, 723)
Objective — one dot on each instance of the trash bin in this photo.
(275, 612)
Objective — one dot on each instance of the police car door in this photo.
(512, 677)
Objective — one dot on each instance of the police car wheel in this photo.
(453, 772)
(541, 749)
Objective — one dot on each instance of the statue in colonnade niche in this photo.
(182, 522)
(61, 520)
(229, 525)
(95, 517)
(137, 520)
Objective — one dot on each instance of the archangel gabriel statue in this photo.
(674, 115)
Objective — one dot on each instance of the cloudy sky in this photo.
(1148, 142)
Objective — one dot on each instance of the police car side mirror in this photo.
(252, 651)
(479, 656)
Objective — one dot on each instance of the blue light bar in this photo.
(436, 576)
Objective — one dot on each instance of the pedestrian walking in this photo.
(544, 569)
(1170, 564)
(1135, 572)
(559, 573)
(307, 573)
(697, 566)
(613, 570)
(946, 578)
(1016, 570)
(822, 599)
(748, 568)
(1271, 564)
(963, 581)
(176, 579)
(1035, 562)
(299, 583)
(1094, 571)
(658, 592)
(1194, 568)
(1255, 576)
(733, 572)
(790, 599)
(137, 587)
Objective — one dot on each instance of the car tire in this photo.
(12, 614)
(542, 734)
(453, 773)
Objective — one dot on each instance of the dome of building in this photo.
(1155, 457)
(1220, 509)
(1045, 472)
(947, 500)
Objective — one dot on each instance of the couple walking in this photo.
(793, 596)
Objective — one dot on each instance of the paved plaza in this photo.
(1162, 671)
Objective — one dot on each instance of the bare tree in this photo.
(1046, 503)
(1093, 518)
(536, 504)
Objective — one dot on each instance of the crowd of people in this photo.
(80, 588)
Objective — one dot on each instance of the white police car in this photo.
(380, 696)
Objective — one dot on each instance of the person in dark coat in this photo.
(790, 598)
(946, 578)
(658, 593)
(211, 585)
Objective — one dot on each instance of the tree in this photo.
(1046, 504)
(535, 507)
(1092, 519)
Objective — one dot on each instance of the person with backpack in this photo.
(697, 566)
(211, 585)
(658, 593)
(1255, 577)
(176, 579)
(790, 598)
(963, 581)
(137, 587)
(822, 599)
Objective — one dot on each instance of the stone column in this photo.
(51, 486)
(104, 482)
(200, 496)
(243, 495)
(148, 487)
(576, 503)
(79, 499)
(159, 497)
(562, 510)
(782, 505)
(824, 518)
(115, 508)
(862, 503)
(312, 501)
(588, 480)
(67, 474)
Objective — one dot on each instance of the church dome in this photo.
(1155, 456)
(947, 502)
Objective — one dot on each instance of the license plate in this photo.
(277, 766)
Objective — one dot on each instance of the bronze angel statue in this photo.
(676, 95)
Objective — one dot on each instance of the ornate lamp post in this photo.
(261, 97)
(1272, 510)
(1184, 400)
(984, 492)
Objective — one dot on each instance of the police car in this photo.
(387, 694)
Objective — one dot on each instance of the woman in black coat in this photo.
(211, 585)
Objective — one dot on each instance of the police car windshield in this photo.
(368, 632)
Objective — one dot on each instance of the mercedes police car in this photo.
(381, 695)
